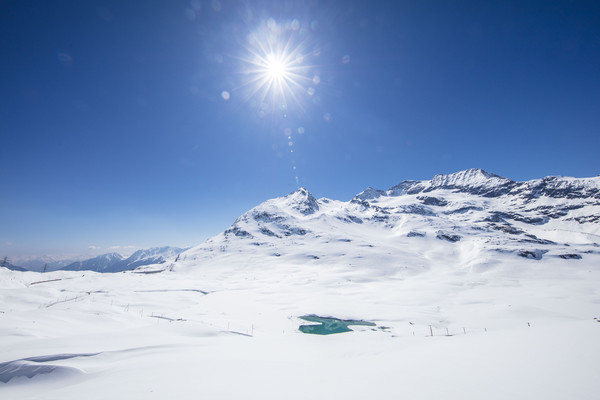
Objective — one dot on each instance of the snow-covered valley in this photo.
(478, 286)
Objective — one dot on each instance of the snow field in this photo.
(529, 329)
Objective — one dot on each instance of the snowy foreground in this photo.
(150, 336)
(513, 311)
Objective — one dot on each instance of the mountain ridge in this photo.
(548, 217)
(114, 262)
(478, 181)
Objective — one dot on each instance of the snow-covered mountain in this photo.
(479, 213)
(486, 286)
(102, 263)
(114, 262)
(154, 255)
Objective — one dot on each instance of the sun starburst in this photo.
(275, 65)
(276, 69)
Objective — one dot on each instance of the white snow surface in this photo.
(506, 280)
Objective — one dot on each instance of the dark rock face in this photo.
(268, 232)
(553, 186)
(447, 236)
(494, 217)
(570, 256)
(498, 216)
(532, 255)
(380, 218)
(537, 240)
(350, 219)
(587, 219)
(463, 210)
(418, 209)
(415, 234)
(237, 231)
(556, 212)
(433, 201)
(264, 216)
(288, 230)
(354, 219)
(506, 228)
(363, 203)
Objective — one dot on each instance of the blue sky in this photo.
(117, 132)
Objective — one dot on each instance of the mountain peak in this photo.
(369, 193)
(303, 201)
(474, 180)
(301, 191)
(471, 178)
(109, 256)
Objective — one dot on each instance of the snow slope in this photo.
(504, 275)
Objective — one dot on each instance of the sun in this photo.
(276, 65)
(275, 69)
(276, 74)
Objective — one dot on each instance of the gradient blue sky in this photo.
(115, 132)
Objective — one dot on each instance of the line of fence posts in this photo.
(448, 330)
(126, 309)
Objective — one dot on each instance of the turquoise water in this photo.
(328, 326)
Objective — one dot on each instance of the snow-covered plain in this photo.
(505, 275)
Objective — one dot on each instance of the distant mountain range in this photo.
(479, 213)
(39, 263)
(114, 262)
(110, 262)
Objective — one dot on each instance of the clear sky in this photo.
(130, 124)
